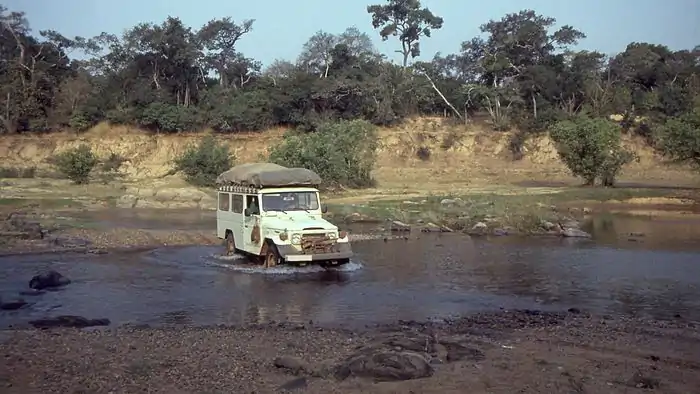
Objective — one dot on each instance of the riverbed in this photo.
(632, 266)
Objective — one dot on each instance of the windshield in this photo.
(290, 201)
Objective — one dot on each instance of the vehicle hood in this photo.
(297, 222)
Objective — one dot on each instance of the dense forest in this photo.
(521, 73)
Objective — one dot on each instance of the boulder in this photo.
(49, 279)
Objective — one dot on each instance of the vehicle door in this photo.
(251, 225)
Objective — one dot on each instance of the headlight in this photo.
(332, 235)
(296, 239)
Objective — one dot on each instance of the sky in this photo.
(282, 27)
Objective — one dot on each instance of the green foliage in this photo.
(76, 164)
(202, 163)
(163, 117)
(342, 153)
(520, 71)
(679, 138)
(591, 148)
(406, 20)
(79, 121)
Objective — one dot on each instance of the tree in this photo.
(219, 37)
(679, 138)
(406, 20)
(342, 153)
(519, 56)
(591, 148)
(521, 72)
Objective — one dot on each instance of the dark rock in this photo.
(12, 305)
(499, 232)
(31, 293)
(458, 352)
(575, 311)
(292, 364)
(644, 382)
(69, 321)
(47, 280)
(398, 226)
(386, 366)
(574, 233)
(431, 228)
(402, 342)
(294, 384)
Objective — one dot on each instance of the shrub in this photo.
(113, 162)
(17, 172)
(679, 138)
(201, 164)
(342, 153)
(591, 148)
(76, 164)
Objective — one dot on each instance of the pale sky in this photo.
(282, 27)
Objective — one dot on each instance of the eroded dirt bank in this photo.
(517, 351)
(461, 158)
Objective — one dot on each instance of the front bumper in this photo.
(290, 254)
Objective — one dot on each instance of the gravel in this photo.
(527, 352)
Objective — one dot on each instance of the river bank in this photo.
(525, 351)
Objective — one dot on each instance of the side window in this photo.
(253, 204)
(224, 201)
(237, 203)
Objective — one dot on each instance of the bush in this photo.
(591, 148)
(679, 138)
(17, 172)
(342, 153)
(113, 162)
(76, 164)
(201, 164)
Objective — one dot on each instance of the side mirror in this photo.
(246, 212)
(324, 208)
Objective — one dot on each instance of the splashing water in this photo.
(240, 263)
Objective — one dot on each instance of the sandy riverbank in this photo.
(528, 352)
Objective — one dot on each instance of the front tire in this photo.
(271, 257)
(230, 244)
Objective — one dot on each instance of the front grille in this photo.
(316, 243)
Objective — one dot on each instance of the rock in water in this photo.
(574, 233)
(47, 280)
(69, 321)
(12, 305)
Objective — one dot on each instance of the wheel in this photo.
(230, 244)
(271, 258)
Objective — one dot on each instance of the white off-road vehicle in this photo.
(274, 214)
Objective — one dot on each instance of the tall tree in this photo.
(406, 20)
(219, 37)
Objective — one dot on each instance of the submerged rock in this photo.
(69, 321)
(47, 280)
(12, 305)
(574, 233)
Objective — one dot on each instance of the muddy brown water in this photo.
(633, 266)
